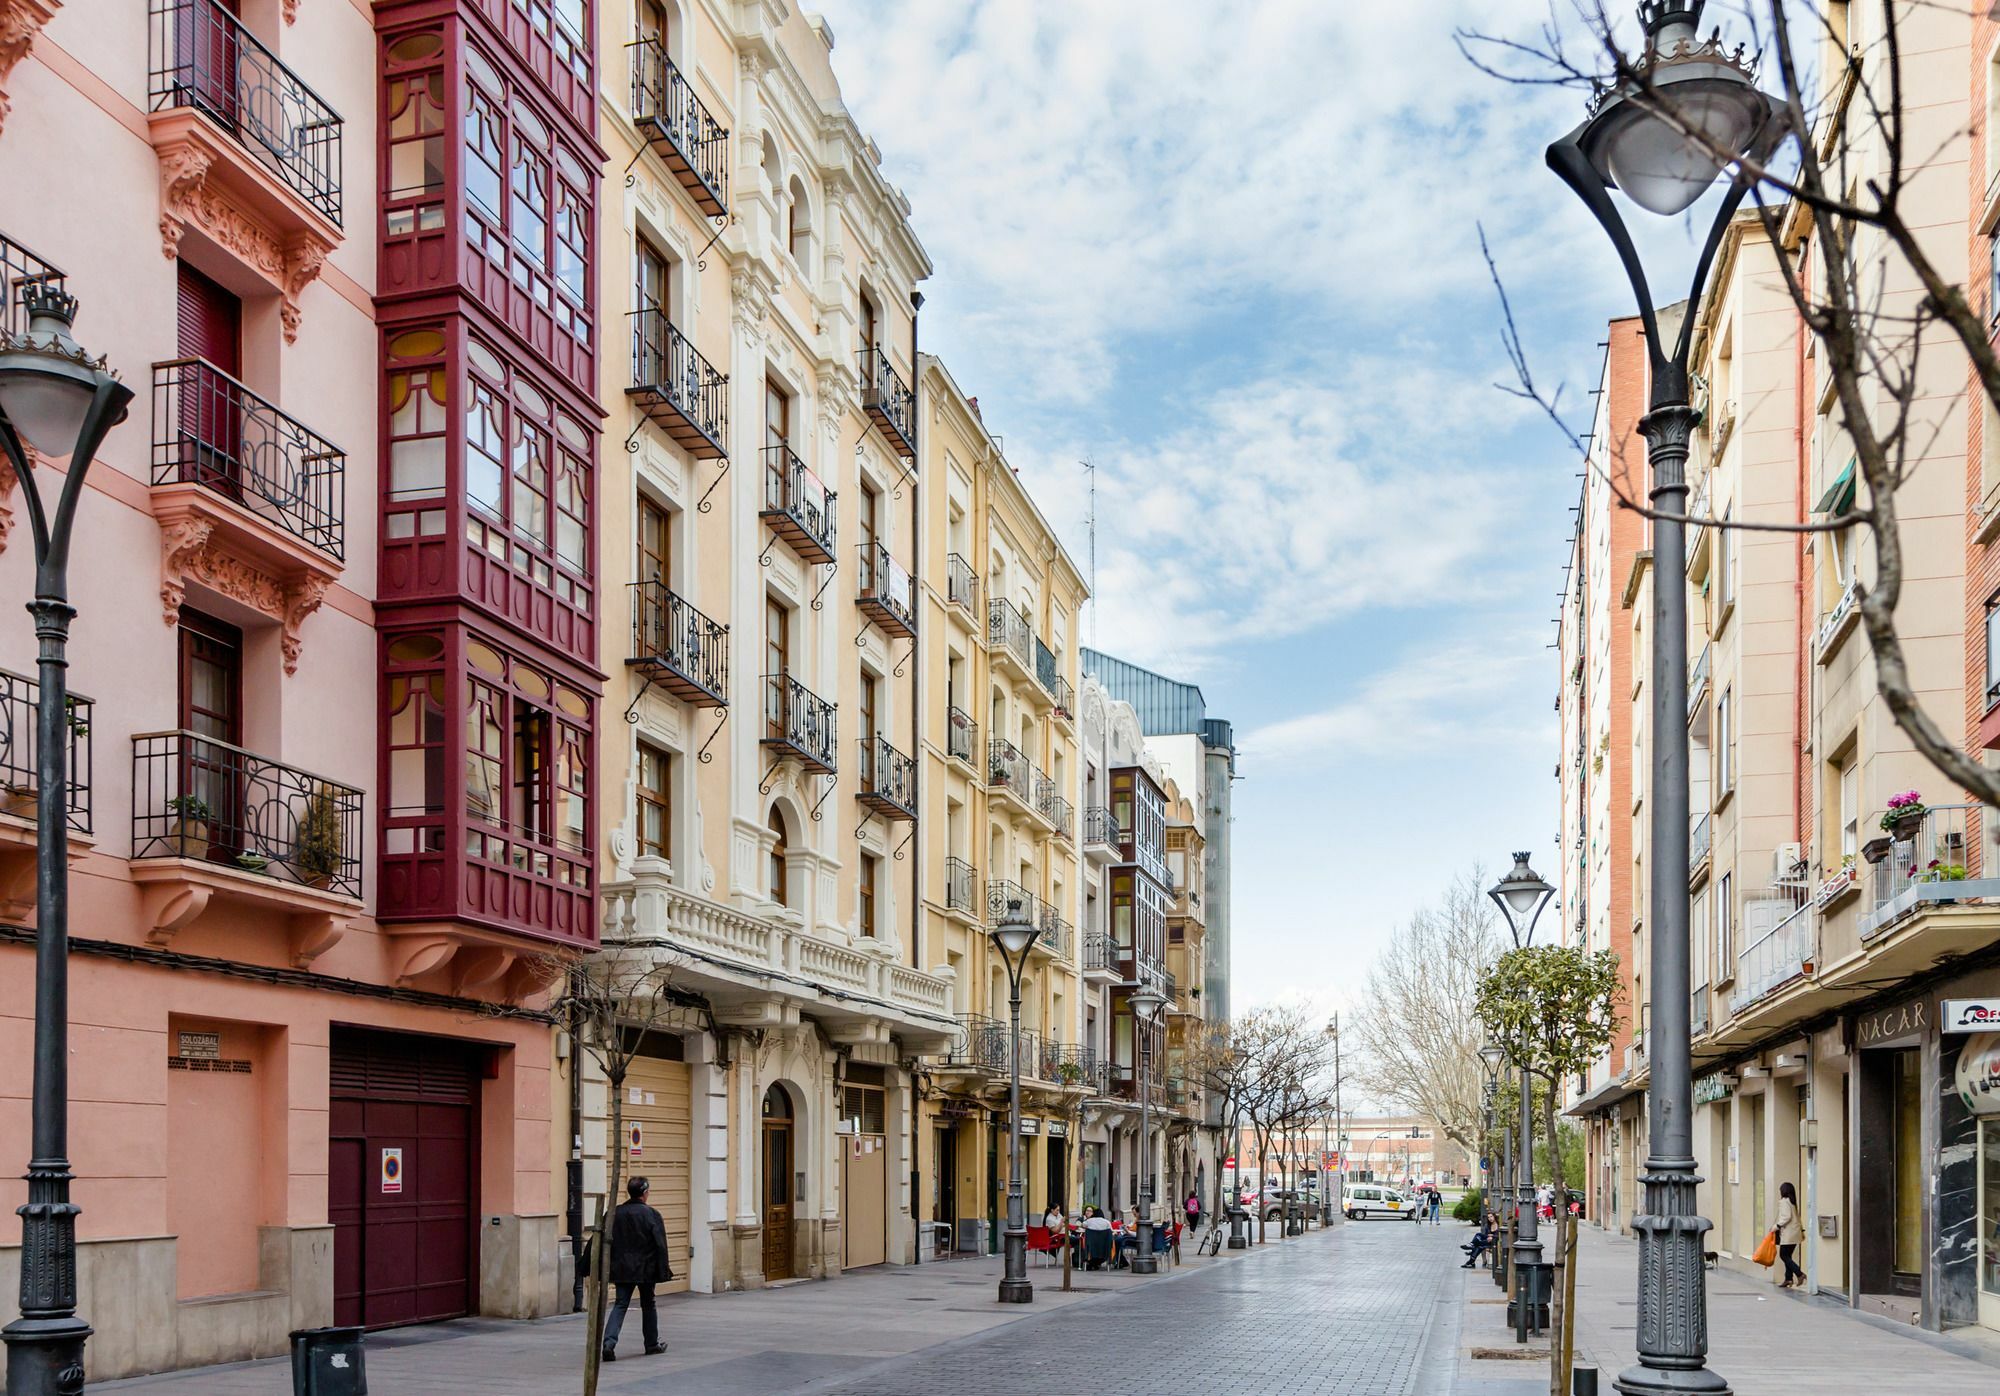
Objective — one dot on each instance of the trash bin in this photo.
(328, 1362)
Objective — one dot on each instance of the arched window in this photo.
(778, 885)
(777, 1104)
(773, 179)
(798, 225)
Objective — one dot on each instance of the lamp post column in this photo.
(1503, 1244)
(1014, 1287)
(1143, 1262)
(1527, 1242)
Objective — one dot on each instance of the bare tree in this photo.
(613, 1005)
(1283, 1058)
(1417, 1034)
(1875, 281)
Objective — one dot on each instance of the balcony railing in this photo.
(1070, 1064)
(1778, 944)
(1698, 1010)
(680, 649)
(1100, 830)
(887, 594)
(20, 749)
(681, 392)
(961, 736)
(888, 780)
(1045, 797)
(1000, 893)
(1057, 934)
(888, 401)
(1064, 814)
(1930, 866)
(799, 723)
(210, 430)
(679, 128)
(1697, 508)
(980, 1044)
(1836, 622)
(203, 57)
(1045, 668)
(961, 887)
(961, 583)
(798, 507)
(1698, 839)
(1099, 953)
(1007, 631)
(1698, 680)
(1065, 696)
(20, 268)
(195, 797)
(1008, 769)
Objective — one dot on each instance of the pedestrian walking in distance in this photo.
(1193, 1209)
(1437, 1207)
(638, 1261)
(1790, 1233)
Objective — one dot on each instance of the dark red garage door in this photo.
(400, 1170)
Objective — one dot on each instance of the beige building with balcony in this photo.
(1000, 771)
(761, 523)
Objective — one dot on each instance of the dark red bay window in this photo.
(486, 759)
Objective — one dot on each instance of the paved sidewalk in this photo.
(743, 1344)
(1765, 1341)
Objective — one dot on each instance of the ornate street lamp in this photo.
(1012, 936)
(1491, 1058)
(1147, 1002)
(1521, 896)
(1238, 1239)
(63, 402)
(1637, 140)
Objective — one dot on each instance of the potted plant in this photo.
(1071, 1074)
(190, 827)
(1904, 816)
(250, 860)
(78, 728)
(319, 839)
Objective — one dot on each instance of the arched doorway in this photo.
(778, 1155)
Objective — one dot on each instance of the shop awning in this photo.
(1839, 496)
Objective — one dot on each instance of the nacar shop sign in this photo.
(1970, 1015)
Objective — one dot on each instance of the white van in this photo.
(1363, 1200)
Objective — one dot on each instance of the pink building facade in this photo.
(337, 631)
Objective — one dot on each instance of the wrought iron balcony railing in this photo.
(1100, 830)
(1065, 696)
(1001, 893)
(888, 780)
(679, 127)
(202, 56)
(1007, 631)
(1057, 934)
(961, 887)
(679, 390)
(961, 736)
(210, 430)
(1045, 668)
(888, 401)
(681, 650)
(1099, 952)
(980, 1044)
(195, 797)
(798, 507)
(1045, 796)
(20, 748)
(20, 268)
(799, 723)
(887, 594)
(1008, 769)
(961, 583)
(1064, 814)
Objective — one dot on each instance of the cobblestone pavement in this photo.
(1368, 1308)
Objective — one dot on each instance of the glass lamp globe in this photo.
(47, 380)
(1146, 1003)
(1014, 932)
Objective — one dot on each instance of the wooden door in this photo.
(777, 666)
(209, 326)
(657, 1102)
(210, 703)
(864, 1181)
(778, 1184)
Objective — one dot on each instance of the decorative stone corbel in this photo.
(477, 965)
(422, 954)
(167, 908)
(183, 169)
(313, 934)
(180, 542)
(304, 257)
(291, 11)
(20, 22)
(302, 598)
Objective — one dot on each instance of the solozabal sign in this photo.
(1969, 1015)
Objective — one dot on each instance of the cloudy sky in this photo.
(1230, 256)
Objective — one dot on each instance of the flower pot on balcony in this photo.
(190, 837)
(1905, 826)
(1876, 851)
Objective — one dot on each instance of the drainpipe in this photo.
(916, 760)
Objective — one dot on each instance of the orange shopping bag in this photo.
(1767, 1249)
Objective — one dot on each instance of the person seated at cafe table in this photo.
(1053, 1220)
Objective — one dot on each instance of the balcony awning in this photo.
(1839, 496)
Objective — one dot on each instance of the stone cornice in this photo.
(20, 22)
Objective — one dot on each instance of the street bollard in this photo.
(328, 1362)
(1583, 1381)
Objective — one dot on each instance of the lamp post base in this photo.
(1016, 1291)
(1014, 1286)
(1670, 1381)
(45, 1356)
(1237, 1240)
(1145, 1265)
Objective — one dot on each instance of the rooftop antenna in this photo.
(1090, 471)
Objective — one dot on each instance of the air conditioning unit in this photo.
(1785, 859)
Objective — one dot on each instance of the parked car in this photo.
(1363, 1200)
(1276, 1199)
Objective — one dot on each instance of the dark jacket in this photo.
(638, 1246)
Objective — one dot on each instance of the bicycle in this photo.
(1211, 1244)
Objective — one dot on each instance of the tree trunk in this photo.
(1569, 1304)
(600, 1250)
(1559, 1207)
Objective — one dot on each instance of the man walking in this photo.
(638, 1261)
(1437, 1206)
